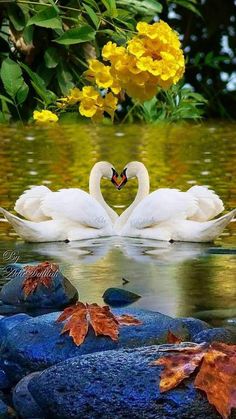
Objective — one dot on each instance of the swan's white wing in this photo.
(76, 206)
(163, 205)
(209, 204)
(28, 204)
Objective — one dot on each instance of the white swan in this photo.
(68, 214)
(168, 214)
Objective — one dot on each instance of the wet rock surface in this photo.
(217, 334)
(116, 384)
(37, 343)
(23, 401)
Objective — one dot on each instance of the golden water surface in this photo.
(176, 279)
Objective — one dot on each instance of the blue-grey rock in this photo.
(118, 297)
(217, 334)
(9, 309)
(37, 343)
(23, 401)
(194, 326)
(60, 294)
(4, 414)
(7, 323)
(4, 382)
(115, 384)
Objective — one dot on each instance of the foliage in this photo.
(175, 104)
(38, 275)
(45, 47)
(209, 44)
(79, 316)
(216, 375)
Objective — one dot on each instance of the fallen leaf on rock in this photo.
(101, 319)
(38, 275)
(216, 375)
(171, 338)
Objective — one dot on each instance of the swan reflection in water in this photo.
(139, 250)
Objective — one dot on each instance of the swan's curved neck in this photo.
(143, 190)
(95, 191)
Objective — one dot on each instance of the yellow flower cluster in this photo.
(44, 116)
(153, 58)
(91, 103)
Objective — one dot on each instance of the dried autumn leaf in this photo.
(216, 376)
(127, 320)
(101, 319)
(171, 338)
(38, 275)
(178, 366)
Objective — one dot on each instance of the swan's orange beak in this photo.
(114, 178)
(123, 180)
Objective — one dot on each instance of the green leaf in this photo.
(6, 99)
(77, 35)
(94, 18)
(39, 86)
(16, 17)
(64, 78)
(188, 4)
(11, 75)
(110, 5)
(47, 18)
(54, 6)
(93, 4)
(144, 8)
(28, 34)
(152, 5)
(22, 93)
(51, 57)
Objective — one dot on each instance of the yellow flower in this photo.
(45, 116)
(136, 47)
(74, 96)
(93, 105)
(88, 107)
(111, 52)
(110, 104)
(101, 75)
(90, 92)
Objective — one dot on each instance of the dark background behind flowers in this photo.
(50, 59)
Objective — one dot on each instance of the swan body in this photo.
(69, 214)
(169, 214)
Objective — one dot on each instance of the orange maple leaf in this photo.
(216, 376)
(41, 274)
(171, 338)
(101, 319)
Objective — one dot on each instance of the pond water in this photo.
(178, 279)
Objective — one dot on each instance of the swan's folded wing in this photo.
(161, 206)
(209, 204)
(76, 206)
(29, 203)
